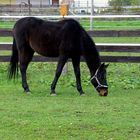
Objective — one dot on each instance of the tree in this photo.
(135, 2)
(118, 3)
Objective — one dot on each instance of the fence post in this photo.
(65, 69)
(91, 19)
(29, 4)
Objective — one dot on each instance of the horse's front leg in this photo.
(76, 66)
(60, 65)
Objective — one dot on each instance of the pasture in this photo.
(69, 116)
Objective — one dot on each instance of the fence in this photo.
(129, 48)
(117, 48)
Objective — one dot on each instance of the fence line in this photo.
(101, 47)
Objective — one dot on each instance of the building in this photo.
(96, 3)
(7, 2)
(40, 2)
(84, 6)
(33, 2)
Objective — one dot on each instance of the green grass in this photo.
(69, 116)
(6, 24)
(117, 39)
(97, 24)
(112, 24)
(6, 39)
(96, 39)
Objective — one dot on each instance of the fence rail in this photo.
(76, 16)
(102, 47)
(96, 33)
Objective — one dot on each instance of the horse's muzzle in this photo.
(103, 92)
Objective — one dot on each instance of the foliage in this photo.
(124, 76)
(118, 4)
(123, 2)
(135, 2)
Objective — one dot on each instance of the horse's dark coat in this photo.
(64, 39)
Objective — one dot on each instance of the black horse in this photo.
(64, 39)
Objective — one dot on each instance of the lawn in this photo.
(69, 116)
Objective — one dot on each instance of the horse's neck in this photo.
(90, 52)
(93, 61)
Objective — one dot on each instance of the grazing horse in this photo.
(63, 39)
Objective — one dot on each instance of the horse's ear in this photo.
(103, 64)
(106, 65)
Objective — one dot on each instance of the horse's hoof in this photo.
(28, 93)
(53, 93)
(83, 94)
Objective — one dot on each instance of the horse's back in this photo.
(49, 38)
(24, 24)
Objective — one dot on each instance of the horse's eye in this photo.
(102, 76)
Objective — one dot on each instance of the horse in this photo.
(65, 39)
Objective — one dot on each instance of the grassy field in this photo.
(69, 116)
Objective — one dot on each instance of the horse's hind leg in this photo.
(25, 56)
(60, 65)
(76, 66)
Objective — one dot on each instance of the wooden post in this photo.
(92, 10)
(65, 69)
(29, 4)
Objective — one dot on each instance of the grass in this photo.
(6, 39)
(117, 39)
(69, 116)
(112, 24)
(96, 39)
(97, 24)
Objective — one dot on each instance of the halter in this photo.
(98, 82)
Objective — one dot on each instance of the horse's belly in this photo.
(46, 50)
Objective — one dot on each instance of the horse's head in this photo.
(99, 80)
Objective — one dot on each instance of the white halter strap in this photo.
(98, 82)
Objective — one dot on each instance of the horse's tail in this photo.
(13, 67)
